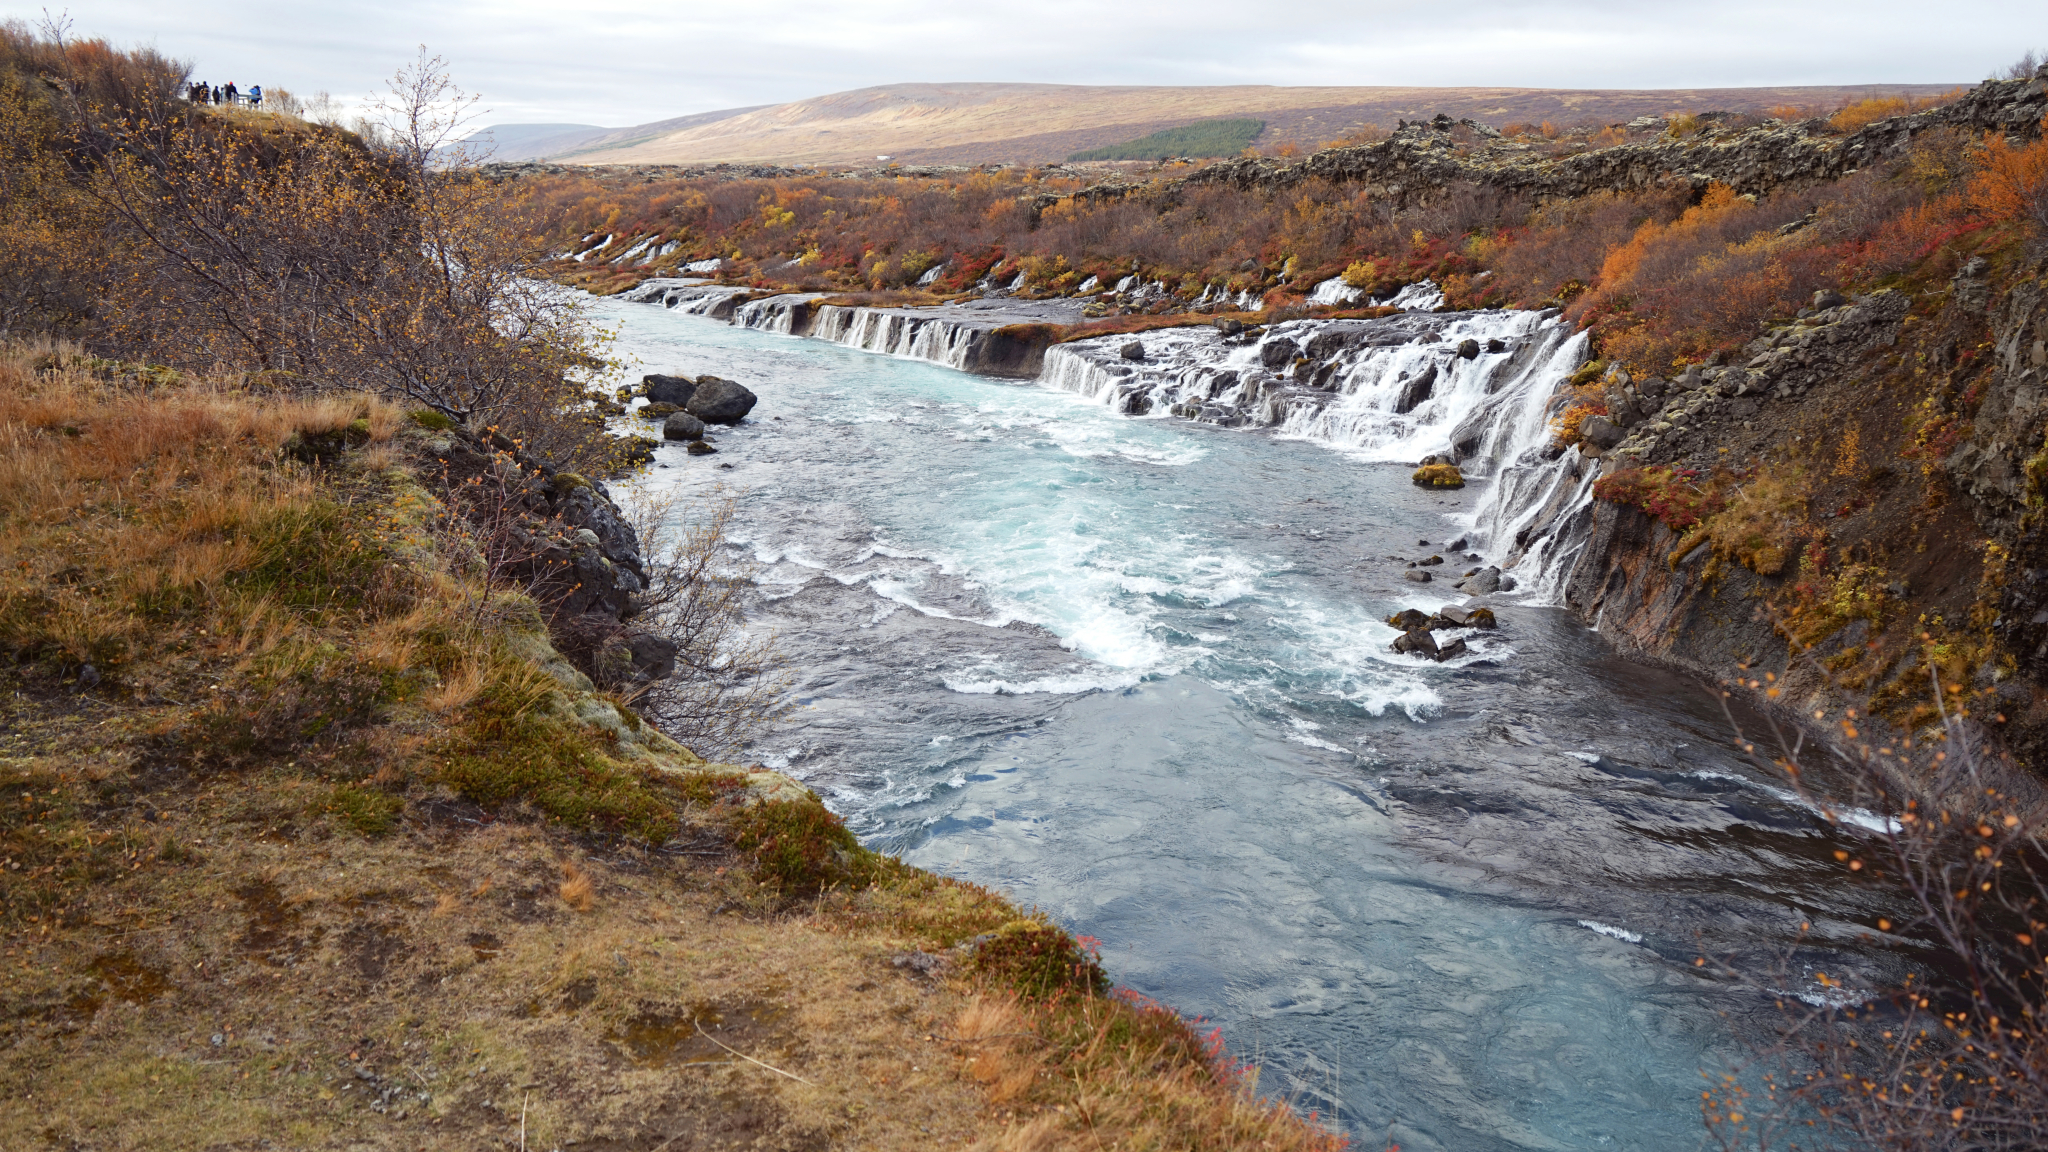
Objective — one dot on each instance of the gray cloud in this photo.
(616, 62)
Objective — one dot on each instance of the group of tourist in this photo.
(201, 93)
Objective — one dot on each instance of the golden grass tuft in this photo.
(577, 890)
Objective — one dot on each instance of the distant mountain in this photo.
(528, 141)
(1034, 123)
(508, 142)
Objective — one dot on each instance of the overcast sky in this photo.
(621, 62)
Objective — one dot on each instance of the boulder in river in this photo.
(1418, 642)
(1439, 476)
(1419, 575)
(658, 409)
(700, 448)
(682, 426)
(1135, 350)
(1409, 619)
(1488, 580)
(1454, 648)
(667, 389)
(1468, 348)
(719, 401)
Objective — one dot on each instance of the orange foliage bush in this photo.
(1865, 112)
(2011, 183)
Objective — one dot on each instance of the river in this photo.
(1134, 671)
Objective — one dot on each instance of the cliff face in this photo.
(1867, 482)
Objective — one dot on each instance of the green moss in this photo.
(1038, 959)
(567, 482)
(801, 847)
(428, 418)
(506, 754)
(370, 811)
(1587, 373)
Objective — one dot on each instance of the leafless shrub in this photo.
(1952, 1056)
(729, 682)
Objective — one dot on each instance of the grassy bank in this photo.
(308, 837)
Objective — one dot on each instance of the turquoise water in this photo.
(1134, 671)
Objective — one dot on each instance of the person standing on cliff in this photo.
(231, 92)
(255, 95)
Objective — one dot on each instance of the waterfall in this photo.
(1477, 387)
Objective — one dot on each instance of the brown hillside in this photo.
(1031, 123)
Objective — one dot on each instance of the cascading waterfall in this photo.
(1477, 387)
(894, 332)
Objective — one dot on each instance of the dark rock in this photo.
(1599, 431)
(667, 389)
(1409, 619)
(682, 426)
(1427, 460)
(1278, 353)
(1454, 648)
(1488, 580)
(1496, 345)
(653, 657)
(1418, 641)
(1828, 298)
(1229, 327)
(1135, 350)
(1417, 575)
(1468, 349)
(1457, 545)
(659, 409)
(1431, 561)
(700, 448)
(1507, 583)
(717, 401)
(1416, 390)
(1452, 616)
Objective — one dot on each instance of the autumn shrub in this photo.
(1758, 521)
(1564, 427)
(1866, 112)
(1674, 496)
(2011, 183)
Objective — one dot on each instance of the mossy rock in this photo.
(428, 418)
(567, 482)
(1036, 959)
(800, 847)
(1587, 373)
(1439, 476)
(656, 410)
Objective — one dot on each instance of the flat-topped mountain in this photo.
(1033, 123)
